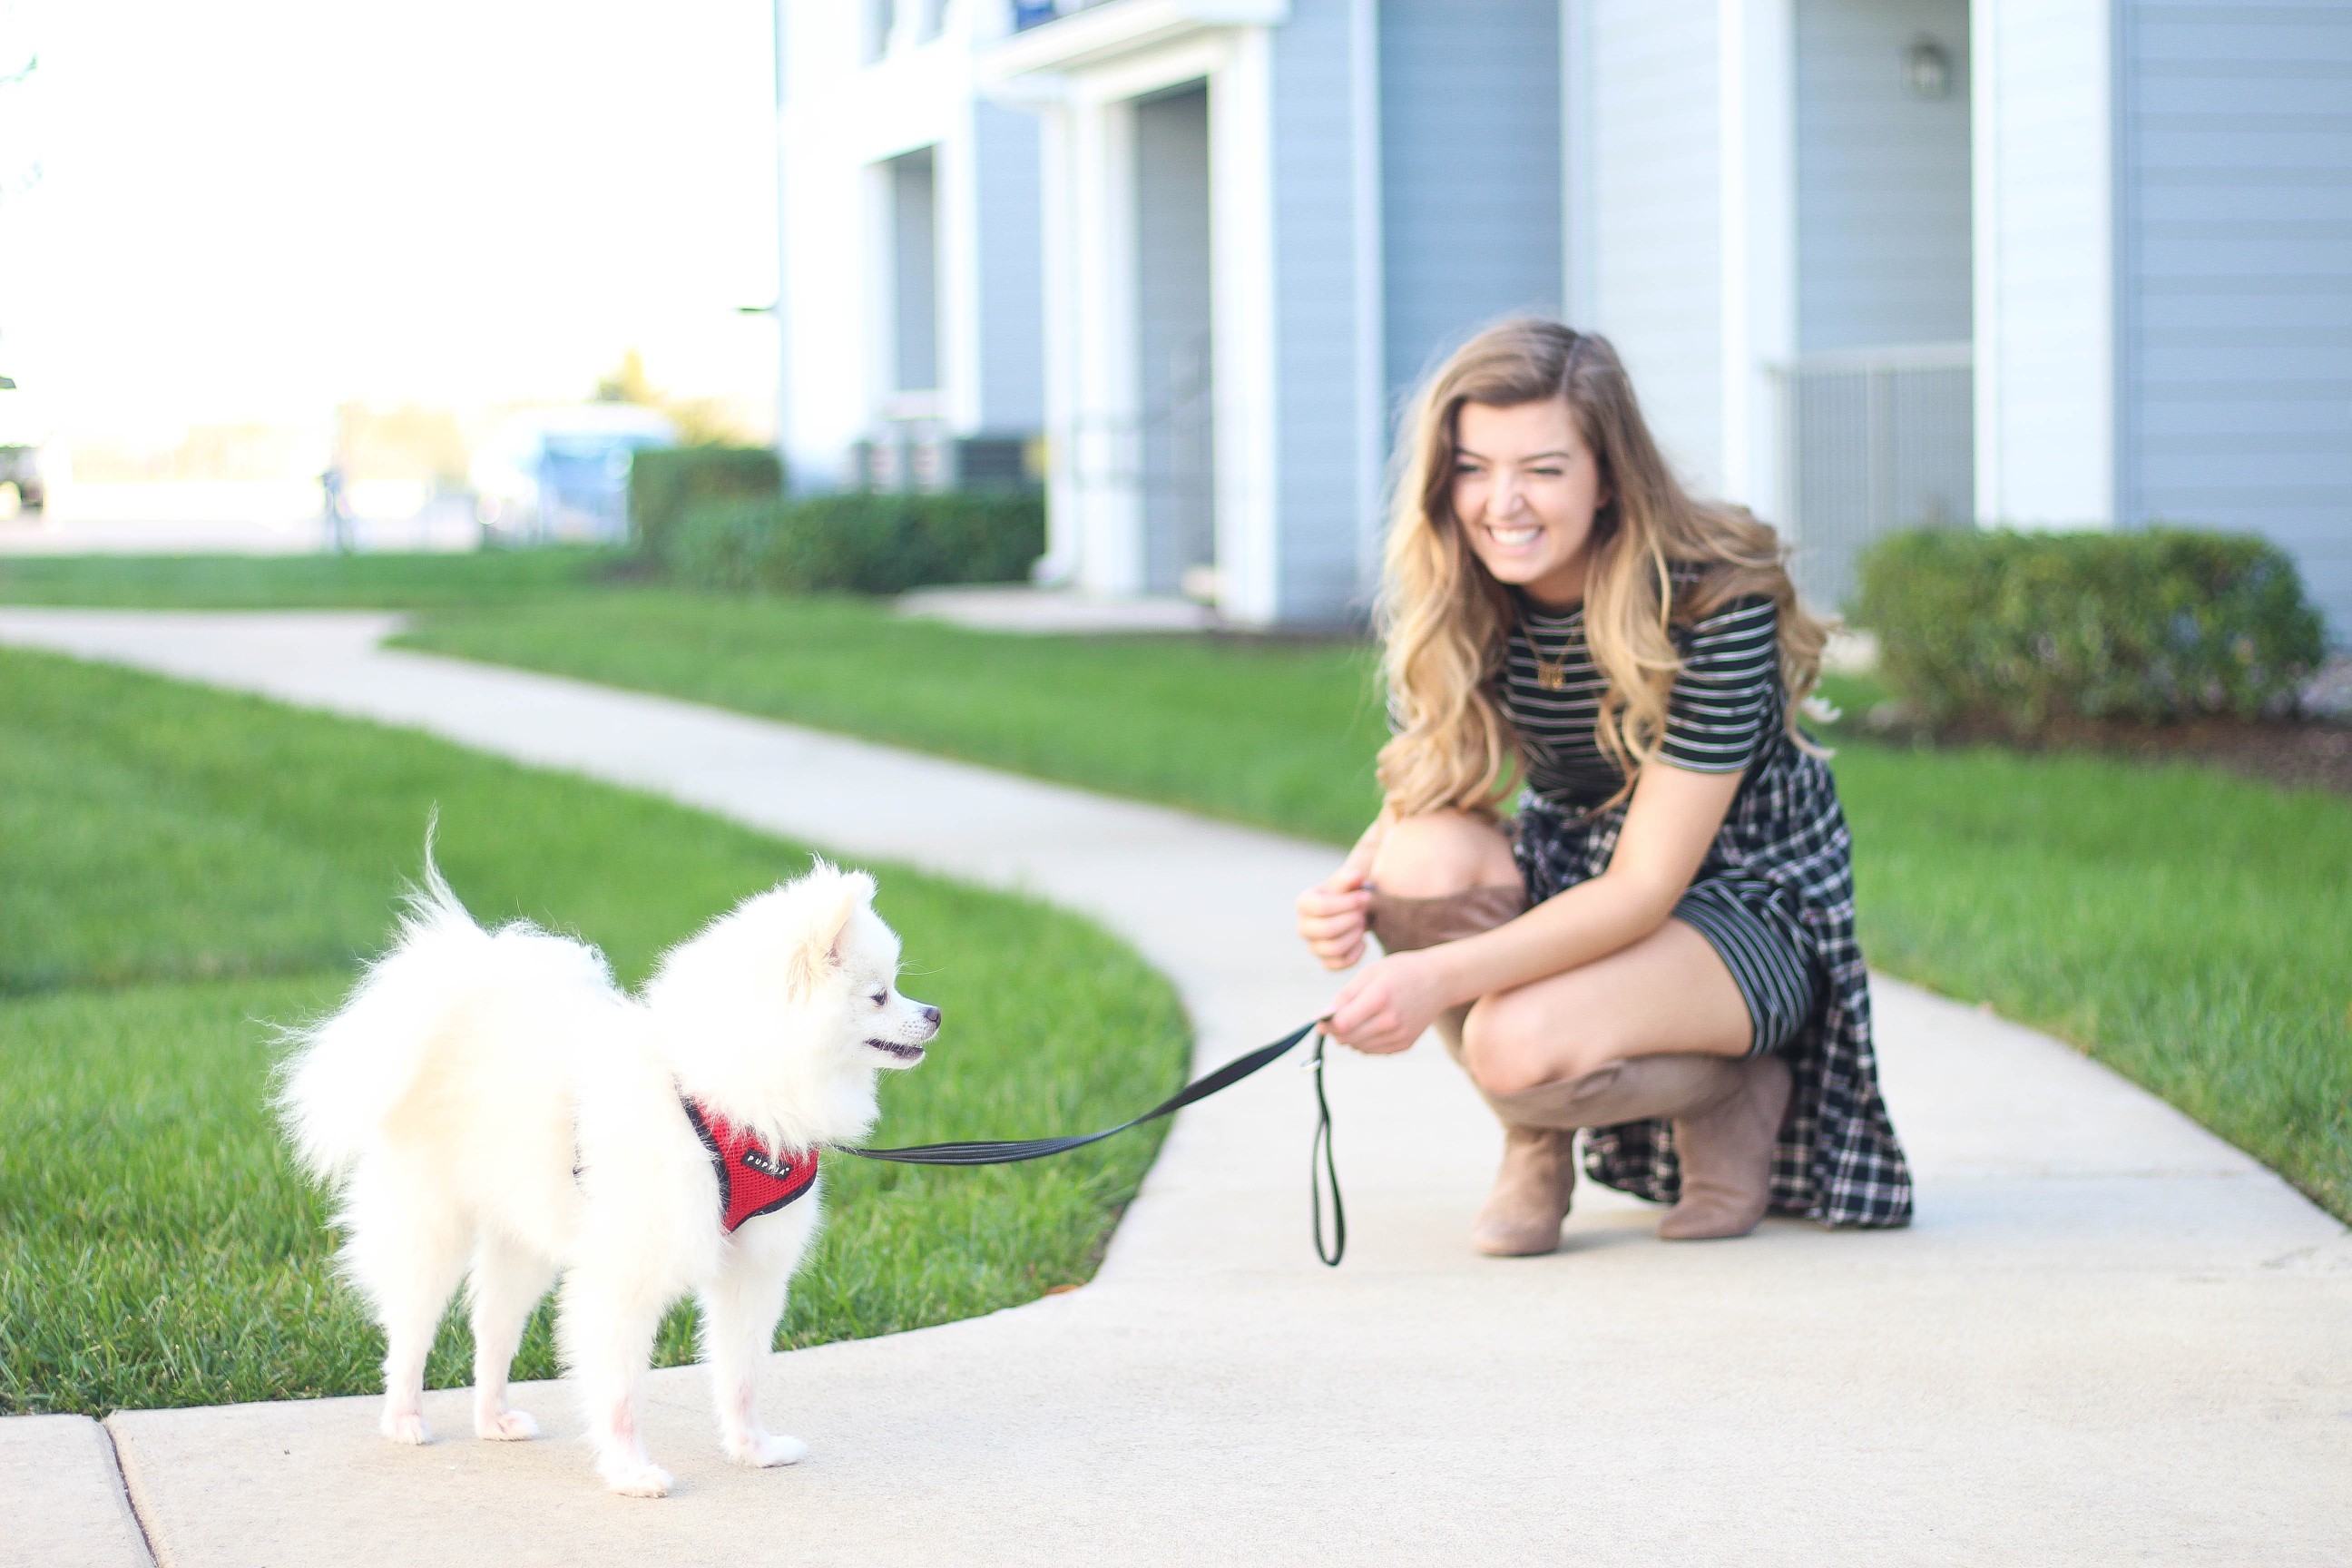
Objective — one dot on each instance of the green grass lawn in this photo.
(178, 868)
(1275, 732)
(397, 580)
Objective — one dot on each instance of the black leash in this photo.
(1200, 1089)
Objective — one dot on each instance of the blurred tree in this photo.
(701, 421)
(405, 441)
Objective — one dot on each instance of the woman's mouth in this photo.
(1514, 536)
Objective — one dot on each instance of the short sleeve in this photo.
(1727, 690)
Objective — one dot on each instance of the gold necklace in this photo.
(1552, 674)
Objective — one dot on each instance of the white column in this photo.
(1682, 177)
(1241, 227)
(1758, 189)
(1103, 421)
(1065, 536)
(2045, 301)
(1371, 315)
(955, 228)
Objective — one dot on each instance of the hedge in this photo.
(665, 484)
(2026, 629)
(864, 543)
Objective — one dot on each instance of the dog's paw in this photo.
(504, 1426)
(406, 1427)
(765, 1450)
(637, 1479)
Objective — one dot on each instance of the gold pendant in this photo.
(1550, 675)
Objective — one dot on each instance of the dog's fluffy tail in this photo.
(348, 1073)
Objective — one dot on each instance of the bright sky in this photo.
(257, 208)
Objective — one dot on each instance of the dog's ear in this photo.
(819, 949)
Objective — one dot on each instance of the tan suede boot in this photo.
(1727, 1114)
(1725, 1147)
(1523, 1213)
(1633, 1089)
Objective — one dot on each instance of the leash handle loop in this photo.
(1323, 1165)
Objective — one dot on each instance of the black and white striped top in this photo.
(1725, 707)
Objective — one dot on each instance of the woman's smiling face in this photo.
(1526, 488)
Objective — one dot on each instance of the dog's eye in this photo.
(879, 997)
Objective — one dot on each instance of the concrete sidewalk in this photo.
(2110, 1337)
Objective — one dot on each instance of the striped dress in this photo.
(1775, 894)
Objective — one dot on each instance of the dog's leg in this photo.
(508, 1281)
(407, 1253)
(739, 1313)
(606, 1326)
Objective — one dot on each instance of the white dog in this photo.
(490, 1104)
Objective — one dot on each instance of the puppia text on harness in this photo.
(753, 1179)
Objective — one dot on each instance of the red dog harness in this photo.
(753, 1179)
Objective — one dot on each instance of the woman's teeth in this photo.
(1511, 538)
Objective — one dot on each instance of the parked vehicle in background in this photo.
(562, 473)
(24, 444)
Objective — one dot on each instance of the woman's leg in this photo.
(1658, 1029)
(1668, 993)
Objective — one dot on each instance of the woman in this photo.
(1659, 946)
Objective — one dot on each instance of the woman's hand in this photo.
(1386, 1008)
(1331, 914)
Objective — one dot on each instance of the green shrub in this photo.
(858, 543)
(2022, 630)
(664, 485)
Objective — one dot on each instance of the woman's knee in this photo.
(1509, 1046)
(1441, 852)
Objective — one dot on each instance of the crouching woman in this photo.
(1658, 946)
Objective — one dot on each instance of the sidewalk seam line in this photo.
(128, 1498)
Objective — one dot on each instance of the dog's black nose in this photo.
(932, 1015)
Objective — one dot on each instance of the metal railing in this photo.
(1878, 439)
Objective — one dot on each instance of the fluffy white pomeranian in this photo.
(490, 1105)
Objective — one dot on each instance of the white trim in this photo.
(1579, 283)
(1193, 59)
(1241, 227)
(1101, 33)
(1371, 285)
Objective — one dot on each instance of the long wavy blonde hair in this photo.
(1444, 621)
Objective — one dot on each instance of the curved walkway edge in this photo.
(2109, 1336)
